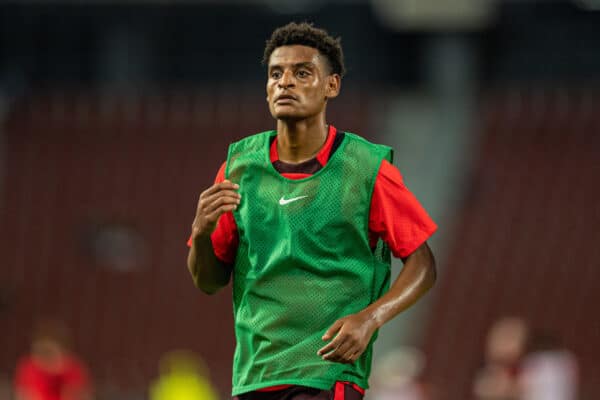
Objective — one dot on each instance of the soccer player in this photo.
(304, 218)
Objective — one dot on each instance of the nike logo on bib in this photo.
(283, 201)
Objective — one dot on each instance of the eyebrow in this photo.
(307, 64)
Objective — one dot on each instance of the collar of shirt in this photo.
(323, 154)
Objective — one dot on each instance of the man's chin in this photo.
(288, 116)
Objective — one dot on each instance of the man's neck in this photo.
(298, 141)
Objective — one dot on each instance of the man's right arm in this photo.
(208, 272)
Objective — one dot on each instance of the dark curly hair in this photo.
(307, 35)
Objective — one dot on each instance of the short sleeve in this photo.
(396, 216)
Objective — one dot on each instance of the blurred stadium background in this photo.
(115, 115)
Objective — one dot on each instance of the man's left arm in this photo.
(352, 334)
(397, 217)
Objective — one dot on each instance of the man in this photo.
(303, 217)
(51, 371)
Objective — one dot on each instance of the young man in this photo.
(303, 216)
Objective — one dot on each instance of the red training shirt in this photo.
(396, 216)
(31, 378)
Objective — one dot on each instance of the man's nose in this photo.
(287, 79)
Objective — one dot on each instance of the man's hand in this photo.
(353, 335)
(208, 272)
(213, 202)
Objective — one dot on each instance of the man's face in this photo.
(48, 353)
(299, 82)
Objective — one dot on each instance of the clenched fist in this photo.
(213, 202)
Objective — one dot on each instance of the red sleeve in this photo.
(76, 376)
(225, 236)
(396, 215)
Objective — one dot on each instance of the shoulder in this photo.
(26, 370)
(25, 363)
(76, 369)
(362, 145)
(390, 172)
(254, 138)
(247, 151)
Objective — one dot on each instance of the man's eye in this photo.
(276, 75)
(302, 74)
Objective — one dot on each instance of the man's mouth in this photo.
(285, 98)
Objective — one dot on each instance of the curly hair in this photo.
(307, 35)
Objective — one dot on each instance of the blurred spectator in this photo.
(396, 376)
(51, 371)
(498, 379)
(183, 376)
(549, 371)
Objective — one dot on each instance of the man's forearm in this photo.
(208, 272)
(349, 336)
(416, 278)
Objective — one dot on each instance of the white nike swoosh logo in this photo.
(283, 201)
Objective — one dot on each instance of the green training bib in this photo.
(303, 262)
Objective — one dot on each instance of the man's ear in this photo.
(334, 82)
